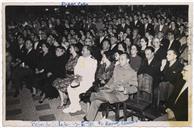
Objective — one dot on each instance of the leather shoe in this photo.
(85, 119)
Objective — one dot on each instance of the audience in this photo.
(45, 54)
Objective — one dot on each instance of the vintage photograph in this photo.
(97, 63)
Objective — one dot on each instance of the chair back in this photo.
(145, 88)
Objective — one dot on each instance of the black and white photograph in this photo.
(85, 63)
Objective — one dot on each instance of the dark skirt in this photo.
(45, 85)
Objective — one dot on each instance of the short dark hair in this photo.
(150, 48)
(137, 47)
(107, 40)
(61, 47)
(28, 39)
(174, 51)
(108, 55)
(145, 38)
(125, 53)
(119, 52)
(123, 45)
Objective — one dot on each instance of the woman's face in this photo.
(128, 31)
(142, 42)
(170, 55)
(133, 50)
(59, 52)
(156, 43)
(127, 42)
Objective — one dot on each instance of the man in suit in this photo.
(160, 52)
(151, 66)
(177, 104)
(26, 70)
(161, 27)
(173, 44)
(171, 73)
(18, 49)
(122, 83)
(164, 42)
(113, 41)
(148, 27)
(100, 38)
(137, 24)
(95, 49)
(122, 27)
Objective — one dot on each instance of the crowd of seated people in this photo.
(68, 55)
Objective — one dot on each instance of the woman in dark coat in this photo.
(50, 68)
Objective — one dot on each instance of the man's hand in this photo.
(120, 88)
(102, 82)
(105, 89)
(163, 64)
(49, 74)
(78, 78)
(170, 114)
(37, 71)
(26, 66)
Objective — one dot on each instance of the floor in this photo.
(27, 108)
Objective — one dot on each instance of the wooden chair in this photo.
(105, 108)
(115, 107)
(141, 101)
